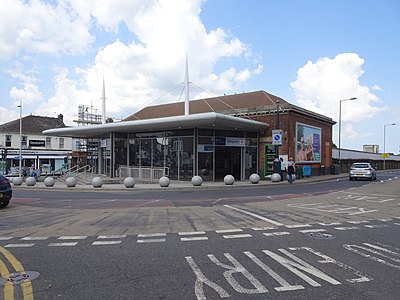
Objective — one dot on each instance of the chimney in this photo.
(61, 118)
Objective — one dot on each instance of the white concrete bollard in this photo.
(197, 180)
(17, 181)
(49, 182)
(30, 181)
(275, 177)
(164, 181)
(229, 179)
(97, 182)
(254, 178)
(129, 182)
(70, 181)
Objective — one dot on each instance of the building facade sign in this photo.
(37, 143)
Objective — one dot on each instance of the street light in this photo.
(340, 121)
(384, 143)
(277, 125)
(20, 138)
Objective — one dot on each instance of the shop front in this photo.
(211, 145)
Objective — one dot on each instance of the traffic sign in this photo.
(277, 137)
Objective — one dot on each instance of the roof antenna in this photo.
(186, 88)
(103, 121)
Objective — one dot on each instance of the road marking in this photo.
(228, 230)
(19, 245)
(265, 228)
(111, 236)
(73, 237)
(297, 225)
(357, 222)
(151, 241)
(332, 208)
(237, 236)
(330, 224)
(312, 230)
(69, 244)
(376, 226)
(345, 228)
(195, 238)
(276, 233)
(26, 285)
(98, 243)
(385, 220)
(5, 238)
(254, 215)
(192, 233)
(35, 238)
(378, 251)
(151, 235)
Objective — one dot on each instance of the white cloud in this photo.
(137, 72)
(376, 87)
(30, 94)
(66, 99)
(321, 85)
(42, 27)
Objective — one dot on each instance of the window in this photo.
(48, 142)
(8, 140)
(61, 143)
(24, 142)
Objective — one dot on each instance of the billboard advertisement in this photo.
(308, 143)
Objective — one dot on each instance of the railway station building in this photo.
(237, 134)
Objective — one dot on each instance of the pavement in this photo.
(174, 185)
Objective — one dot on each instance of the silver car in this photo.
(362, 170)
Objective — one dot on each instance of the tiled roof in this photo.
(236, 104)
(32, 125)
(223, 104)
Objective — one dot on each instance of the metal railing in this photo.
(142, 173)
(81, 173)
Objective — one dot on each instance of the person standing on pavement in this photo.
(291, 170)
(283, 169)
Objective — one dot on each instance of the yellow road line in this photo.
(26, 285)
(8, 286)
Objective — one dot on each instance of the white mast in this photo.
(103, 121)
(186, 88)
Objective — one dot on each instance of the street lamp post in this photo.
(277, 125)
(384, 143)
(340, 122)
(20, 138)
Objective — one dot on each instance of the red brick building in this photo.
(230, 134)
(261, 106)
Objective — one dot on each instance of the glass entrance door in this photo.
(228, 161)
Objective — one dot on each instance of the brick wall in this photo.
(287, 122)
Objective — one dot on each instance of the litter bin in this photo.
(277, 166)
(299, 173)
(335, 169)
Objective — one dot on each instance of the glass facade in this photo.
(183, 153)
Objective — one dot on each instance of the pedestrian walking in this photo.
(283, 169)
(291, 170)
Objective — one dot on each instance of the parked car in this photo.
(362, 170)
(5, 191)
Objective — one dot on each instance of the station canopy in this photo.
(209, 120)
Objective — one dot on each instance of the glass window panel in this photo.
(206, 132)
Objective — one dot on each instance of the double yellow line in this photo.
(26, 286)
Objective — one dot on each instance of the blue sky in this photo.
(54, 54)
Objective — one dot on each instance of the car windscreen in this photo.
(360, 166)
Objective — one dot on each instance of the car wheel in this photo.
(4, 203)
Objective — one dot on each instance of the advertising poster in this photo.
(308, 143)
